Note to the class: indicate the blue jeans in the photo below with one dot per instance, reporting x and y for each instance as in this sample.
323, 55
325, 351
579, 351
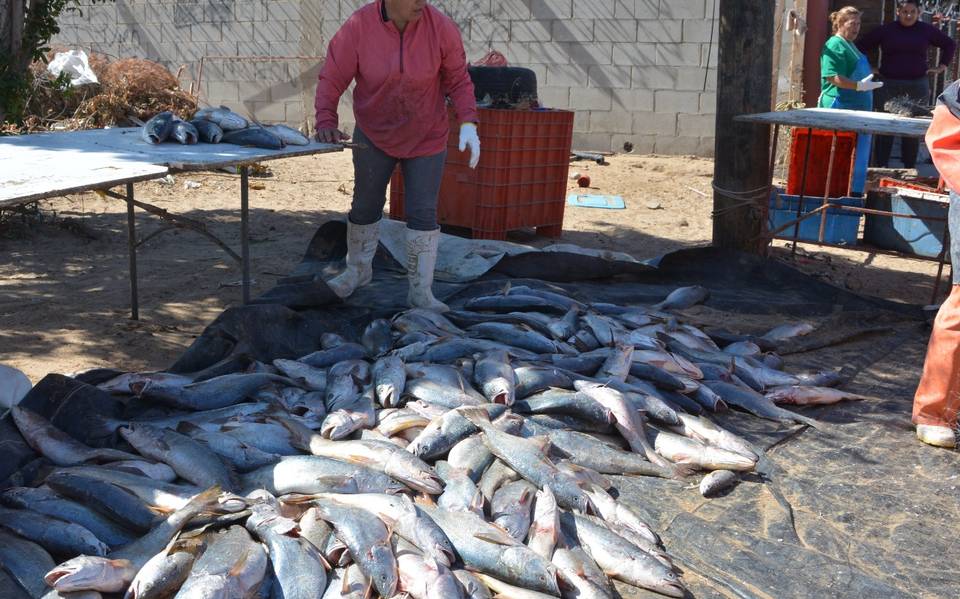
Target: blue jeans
372, 170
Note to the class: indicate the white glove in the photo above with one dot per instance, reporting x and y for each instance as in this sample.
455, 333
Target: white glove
867, 84
468, 138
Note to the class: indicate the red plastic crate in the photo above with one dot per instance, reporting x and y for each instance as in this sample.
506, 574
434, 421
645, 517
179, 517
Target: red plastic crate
817, 165
520, 182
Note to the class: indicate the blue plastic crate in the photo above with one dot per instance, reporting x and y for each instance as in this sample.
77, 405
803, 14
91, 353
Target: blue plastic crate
921, 237
842, 227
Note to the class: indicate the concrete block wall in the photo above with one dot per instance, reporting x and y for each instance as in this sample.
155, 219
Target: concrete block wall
638, 71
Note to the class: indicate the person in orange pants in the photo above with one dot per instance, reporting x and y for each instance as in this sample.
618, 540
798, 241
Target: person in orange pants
937, 401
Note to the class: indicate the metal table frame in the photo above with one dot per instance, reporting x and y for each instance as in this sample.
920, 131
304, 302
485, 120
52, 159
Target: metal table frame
166, 156
843, 120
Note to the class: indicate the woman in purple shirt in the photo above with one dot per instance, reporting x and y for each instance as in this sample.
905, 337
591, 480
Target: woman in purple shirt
903, 69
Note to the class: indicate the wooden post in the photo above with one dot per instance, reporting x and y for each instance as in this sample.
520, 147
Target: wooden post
777, 51
742, 152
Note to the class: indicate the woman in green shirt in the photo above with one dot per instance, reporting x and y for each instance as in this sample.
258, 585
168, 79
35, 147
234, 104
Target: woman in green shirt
847, 82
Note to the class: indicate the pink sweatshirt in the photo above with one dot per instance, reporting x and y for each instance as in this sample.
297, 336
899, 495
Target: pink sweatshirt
402, 80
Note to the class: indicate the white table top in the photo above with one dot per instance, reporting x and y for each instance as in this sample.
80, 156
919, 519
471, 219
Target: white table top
41, 165
859, 121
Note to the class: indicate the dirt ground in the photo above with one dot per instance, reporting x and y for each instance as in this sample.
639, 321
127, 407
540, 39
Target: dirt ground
64, 291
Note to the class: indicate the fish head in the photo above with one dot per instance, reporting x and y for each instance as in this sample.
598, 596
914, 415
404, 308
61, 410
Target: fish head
519, 561
669, 584
385, 577
89, 572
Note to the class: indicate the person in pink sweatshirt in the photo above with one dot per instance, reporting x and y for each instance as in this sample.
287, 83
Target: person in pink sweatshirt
406, 58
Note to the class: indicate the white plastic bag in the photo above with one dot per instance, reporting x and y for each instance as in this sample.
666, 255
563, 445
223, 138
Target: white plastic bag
13, 386
75, 64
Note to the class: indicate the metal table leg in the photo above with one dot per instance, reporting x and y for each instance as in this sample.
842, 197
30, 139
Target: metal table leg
132, 247
244, 231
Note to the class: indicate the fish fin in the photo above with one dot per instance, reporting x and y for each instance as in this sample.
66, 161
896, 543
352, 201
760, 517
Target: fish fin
186, 427
477, 416
238, 567
506, 288
495, 539
300, 435
424, 499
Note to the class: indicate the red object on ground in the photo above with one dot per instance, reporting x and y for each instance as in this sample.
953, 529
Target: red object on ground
521, 181
583, 181
817, 165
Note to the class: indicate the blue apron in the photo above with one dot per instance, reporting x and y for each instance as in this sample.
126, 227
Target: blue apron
851, 99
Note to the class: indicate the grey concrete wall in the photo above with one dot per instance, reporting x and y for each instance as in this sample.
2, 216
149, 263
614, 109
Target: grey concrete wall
641, 71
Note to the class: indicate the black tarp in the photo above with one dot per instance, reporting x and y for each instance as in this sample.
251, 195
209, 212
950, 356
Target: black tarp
857, 508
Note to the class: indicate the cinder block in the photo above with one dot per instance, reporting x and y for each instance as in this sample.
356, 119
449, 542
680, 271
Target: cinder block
708, 103
581, 121
155, 14
205, 32
128, 14
709, 55
632, 100
683, 9
707, 147
695, 125
269, 31
282, 10
654, 77
515, 52
590, 99
672, 101
699, 30
275, 112
296, 113
225, 48
551, 9
219, 92
510, 9
294, 31
554, 96
654, 123
678, 55
253, 48
284, 49
605, 76
283, 91
659, 31
636, 9
677, 145
568, 75
484, 28
185, 15
219, 11
694, 78
572, 30
593, 10
593, 141
236, 31
615, 30
185, 52
256, 11
634, 54
530, 31
642, 144
610, 121
549, 53
348, 7
587, 54
171, 33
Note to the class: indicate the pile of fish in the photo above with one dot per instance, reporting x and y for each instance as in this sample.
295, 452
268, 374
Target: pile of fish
219, 125
465, 454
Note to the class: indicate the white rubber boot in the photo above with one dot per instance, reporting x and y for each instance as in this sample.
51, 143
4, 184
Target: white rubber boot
421, 260
361, 246
938, 436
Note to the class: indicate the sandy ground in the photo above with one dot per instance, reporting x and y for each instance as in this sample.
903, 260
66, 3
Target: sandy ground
64, 291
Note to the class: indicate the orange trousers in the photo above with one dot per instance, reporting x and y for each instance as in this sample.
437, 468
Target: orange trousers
937, 400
